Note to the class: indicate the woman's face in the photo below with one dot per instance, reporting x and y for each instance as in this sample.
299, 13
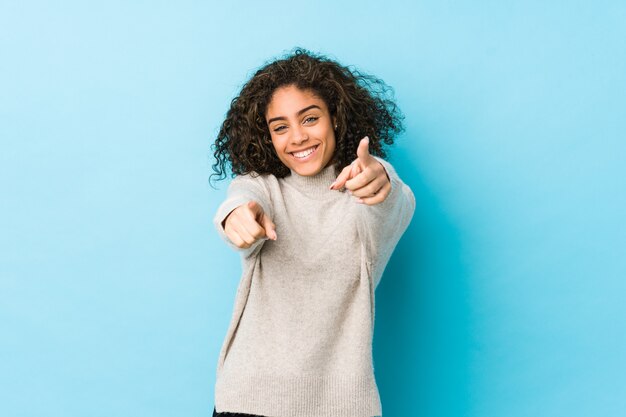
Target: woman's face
301, 129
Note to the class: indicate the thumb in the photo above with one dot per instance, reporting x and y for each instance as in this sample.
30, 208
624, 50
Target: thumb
363, 151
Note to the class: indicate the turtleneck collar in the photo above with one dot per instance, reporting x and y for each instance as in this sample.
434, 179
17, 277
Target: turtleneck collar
314, 185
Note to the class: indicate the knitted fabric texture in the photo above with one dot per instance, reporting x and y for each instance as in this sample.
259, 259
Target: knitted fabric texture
299, 343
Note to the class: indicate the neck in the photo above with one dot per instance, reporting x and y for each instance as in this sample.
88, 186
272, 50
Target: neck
313, 184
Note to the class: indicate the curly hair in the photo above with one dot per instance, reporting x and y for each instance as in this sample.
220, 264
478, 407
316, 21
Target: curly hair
362, 105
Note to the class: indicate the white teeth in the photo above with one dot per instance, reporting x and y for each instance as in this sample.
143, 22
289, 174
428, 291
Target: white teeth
304, 153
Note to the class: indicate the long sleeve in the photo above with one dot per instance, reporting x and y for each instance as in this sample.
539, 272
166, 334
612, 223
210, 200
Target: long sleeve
381, 226
243, 188
299, 342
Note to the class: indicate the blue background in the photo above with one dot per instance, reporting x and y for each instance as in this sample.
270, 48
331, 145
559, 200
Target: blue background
505, 296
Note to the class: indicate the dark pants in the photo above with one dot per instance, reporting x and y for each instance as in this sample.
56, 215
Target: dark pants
226, 414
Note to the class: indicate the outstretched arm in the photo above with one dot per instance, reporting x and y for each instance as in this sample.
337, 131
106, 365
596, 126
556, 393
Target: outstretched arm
386, 209
382, 225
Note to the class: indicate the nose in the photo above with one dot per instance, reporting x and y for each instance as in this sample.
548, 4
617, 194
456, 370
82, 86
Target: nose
299, 136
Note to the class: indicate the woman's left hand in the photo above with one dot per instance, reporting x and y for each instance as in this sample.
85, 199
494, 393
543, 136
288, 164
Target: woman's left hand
365, 178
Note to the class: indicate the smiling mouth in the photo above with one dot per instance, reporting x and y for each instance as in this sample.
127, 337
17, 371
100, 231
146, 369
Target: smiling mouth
304, 153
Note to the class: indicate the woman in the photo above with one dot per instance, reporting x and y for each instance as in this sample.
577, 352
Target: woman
315, 213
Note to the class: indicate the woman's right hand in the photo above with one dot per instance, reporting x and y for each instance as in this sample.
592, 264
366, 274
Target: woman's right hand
247, 224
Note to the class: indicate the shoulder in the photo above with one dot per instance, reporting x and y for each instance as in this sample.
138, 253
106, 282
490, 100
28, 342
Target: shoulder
255, 178
260, 183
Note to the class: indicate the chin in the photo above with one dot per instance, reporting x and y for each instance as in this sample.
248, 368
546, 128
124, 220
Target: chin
307, 171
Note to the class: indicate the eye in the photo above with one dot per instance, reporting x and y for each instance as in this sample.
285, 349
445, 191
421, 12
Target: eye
280, 128
311, 118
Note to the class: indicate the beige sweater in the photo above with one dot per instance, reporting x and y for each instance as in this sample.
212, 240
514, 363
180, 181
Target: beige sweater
299, 342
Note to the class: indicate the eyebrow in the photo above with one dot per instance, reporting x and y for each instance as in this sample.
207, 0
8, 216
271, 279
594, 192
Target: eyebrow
313, 106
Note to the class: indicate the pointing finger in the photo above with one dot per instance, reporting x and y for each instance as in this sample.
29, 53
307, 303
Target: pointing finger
255, 207
364, 178
343, 176
269, 226
262, 219
356, 169
255, 211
